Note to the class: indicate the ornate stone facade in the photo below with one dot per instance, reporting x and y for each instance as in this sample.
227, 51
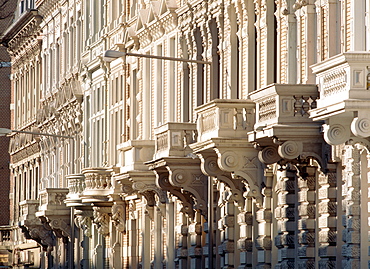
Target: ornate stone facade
238, 138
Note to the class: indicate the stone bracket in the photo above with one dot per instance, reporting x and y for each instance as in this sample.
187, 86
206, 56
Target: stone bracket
41, 232
60, 225
185, 197
101, 217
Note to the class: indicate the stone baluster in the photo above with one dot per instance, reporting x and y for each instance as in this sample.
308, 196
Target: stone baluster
327, 195
306, 212
285, 215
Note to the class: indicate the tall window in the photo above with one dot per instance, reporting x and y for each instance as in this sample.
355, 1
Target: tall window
159, 113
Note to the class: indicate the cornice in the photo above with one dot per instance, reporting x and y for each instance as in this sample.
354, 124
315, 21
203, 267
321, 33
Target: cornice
24, 20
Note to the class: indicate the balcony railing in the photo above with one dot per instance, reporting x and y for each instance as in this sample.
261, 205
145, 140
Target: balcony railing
5, 235
28, 210
98, 184
341, 80
225, 118
134, 153
76, 186
283, 108
52, 202
173, 139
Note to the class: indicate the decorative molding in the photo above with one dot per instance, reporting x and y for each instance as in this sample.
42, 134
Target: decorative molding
101, 217
118, 216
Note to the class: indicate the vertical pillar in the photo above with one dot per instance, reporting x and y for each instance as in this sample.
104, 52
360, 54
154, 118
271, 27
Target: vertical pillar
306, 212
351, 206
195, 236
265, 27
170, 216
327, 224
182, 250
227, 228
245, 243
158, 242
285, 215
264, 219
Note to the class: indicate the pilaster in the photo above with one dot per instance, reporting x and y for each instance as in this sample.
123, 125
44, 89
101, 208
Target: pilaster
327, 221
285, 215
306, 216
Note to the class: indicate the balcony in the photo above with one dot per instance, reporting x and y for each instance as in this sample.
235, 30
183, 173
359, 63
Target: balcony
225, 118
98, 184
28, 213
76, 186
53, 210
134, 153
344, 83
5, 237
173, 139
282, 112
52, 202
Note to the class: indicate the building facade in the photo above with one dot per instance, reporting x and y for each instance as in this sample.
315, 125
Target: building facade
230, 134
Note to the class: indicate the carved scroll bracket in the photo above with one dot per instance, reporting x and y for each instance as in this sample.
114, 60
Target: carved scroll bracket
101, 217
185, 173
41, 232
60, 225
185, 197
142, 183
83, 220
209, 166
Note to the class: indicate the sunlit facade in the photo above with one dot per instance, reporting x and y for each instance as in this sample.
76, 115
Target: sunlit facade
254, 156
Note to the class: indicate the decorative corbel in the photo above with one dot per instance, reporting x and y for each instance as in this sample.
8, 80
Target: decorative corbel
83, 220
43, 234
209, 166
189, 178
101, 219
119, 216
60, 226
185, 197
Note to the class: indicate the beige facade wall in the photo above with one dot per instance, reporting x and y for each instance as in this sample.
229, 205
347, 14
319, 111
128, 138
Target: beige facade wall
245, 145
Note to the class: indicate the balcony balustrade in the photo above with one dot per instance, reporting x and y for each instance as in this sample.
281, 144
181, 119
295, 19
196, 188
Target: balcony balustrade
226, 118
98, 184
344, 82
76, 186
134, 153
173, 139
52, 202
282, 111
28, 209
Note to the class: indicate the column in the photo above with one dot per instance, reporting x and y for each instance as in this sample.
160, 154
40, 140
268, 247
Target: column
286, 219
306, 212
327, 222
